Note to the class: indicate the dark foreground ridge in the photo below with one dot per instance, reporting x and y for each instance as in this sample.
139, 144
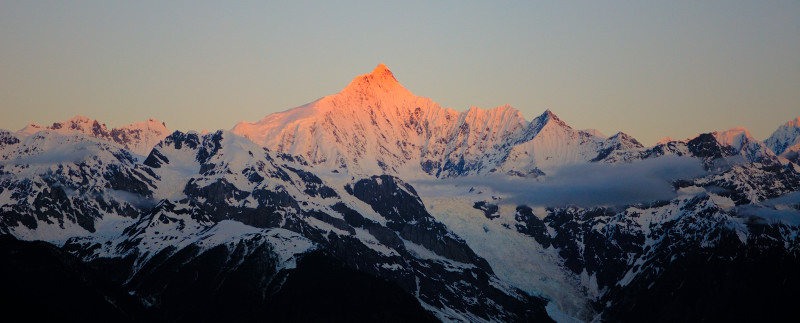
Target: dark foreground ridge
43, 283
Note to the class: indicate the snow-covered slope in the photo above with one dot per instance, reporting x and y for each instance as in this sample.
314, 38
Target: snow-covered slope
375, 126
54, 186
138, 137
785, 141
610, 256
549, 143
196, 196
744, 144
76, 124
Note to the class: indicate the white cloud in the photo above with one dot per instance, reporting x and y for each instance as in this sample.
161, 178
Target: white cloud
593, 184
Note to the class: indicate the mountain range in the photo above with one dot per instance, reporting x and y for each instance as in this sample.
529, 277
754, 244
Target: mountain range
376, 204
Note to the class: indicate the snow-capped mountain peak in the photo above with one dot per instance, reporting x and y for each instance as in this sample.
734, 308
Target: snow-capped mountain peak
743, 144
138, 137
372, 125
793, 123
380, 81
624, 141
540, 122
595, 132
382, 73
76, 124
734, 137
785, 141
664, 141
548, 116
375, 125
150, 124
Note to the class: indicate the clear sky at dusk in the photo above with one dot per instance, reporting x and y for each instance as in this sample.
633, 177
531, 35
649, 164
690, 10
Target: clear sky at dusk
650, 69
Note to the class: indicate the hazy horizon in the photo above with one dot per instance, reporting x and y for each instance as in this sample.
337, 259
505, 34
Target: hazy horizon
650, 70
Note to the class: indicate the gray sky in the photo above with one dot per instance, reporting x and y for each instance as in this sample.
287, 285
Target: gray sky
648, 68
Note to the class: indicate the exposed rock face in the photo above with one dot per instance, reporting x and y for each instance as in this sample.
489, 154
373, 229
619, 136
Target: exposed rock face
405, 214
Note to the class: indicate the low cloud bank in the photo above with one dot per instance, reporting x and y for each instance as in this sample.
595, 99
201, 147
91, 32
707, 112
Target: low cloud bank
589, 185
765, 215
65, 153
784, 209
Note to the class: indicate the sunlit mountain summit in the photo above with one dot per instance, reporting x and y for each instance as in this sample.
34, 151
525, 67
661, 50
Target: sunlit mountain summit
375, 125
373, 204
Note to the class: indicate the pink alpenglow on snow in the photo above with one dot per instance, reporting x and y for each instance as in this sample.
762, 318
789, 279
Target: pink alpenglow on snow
139, 137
